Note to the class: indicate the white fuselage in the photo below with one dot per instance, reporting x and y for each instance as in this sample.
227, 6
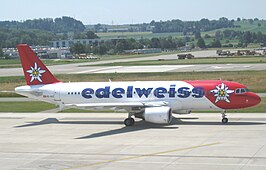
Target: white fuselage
178, 95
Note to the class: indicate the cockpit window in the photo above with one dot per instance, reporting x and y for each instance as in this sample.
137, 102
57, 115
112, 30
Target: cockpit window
241, 91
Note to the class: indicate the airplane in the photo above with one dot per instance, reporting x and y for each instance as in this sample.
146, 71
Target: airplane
152, 101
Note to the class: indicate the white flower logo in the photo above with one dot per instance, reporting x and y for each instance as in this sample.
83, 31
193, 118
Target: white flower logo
222, 93
35, 73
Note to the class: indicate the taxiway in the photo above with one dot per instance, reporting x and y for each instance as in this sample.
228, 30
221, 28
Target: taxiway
77, 69
100, 141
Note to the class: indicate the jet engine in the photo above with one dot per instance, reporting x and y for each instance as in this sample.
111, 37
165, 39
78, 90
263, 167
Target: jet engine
159, 115
182, 112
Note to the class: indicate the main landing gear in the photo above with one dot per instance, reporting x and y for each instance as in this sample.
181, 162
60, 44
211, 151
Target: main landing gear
129, 121
224, 119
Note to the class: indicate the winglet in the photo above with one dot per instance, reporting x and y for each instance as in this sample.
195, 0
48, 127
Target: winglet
35, 71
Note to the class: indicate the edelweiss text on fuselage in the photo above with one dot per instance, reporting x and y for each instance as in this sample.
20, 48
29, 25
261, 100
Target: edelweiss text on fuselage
159, 92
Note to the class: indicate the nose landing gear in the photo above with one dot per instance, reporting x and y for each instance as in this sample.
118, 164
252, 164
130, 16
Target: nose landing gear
224, 119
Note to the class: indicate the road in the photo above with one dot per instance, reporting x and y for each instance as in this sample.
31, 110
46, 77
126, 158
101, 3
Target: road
100, 141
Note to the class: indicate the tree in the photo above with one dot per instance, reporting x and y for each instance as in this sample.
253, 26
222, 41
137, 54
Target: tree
91, 35
120, 46
78, 48
238, 19
197, 34
207, 36
215, 44
250, 21
155, 43
1, 53
218, 35
201, 43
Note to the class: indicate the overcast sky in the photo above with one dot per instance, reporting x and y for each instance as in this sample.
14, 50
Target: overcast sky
131, 11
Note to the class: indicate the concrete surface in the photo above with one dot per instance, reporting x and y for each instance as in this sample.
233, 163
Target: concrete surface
100, 141
75, 69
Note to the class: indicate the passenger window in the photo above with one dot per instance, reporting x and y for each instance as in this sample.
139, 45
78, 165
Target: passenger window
237, 91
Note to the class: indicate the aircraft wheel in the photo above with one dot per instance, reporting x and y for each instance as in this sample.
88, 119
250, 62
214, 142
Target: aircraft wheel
224, 120
129, 122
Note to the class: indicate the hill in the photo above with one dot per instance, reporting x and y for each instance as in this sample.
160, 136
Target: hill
57, 25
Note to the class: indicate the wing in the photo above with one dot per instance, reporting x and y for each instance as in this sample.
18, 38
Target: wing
129, 106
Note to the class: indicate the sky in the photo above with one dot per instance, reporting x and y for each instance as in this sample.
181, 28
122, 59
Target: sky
131, 11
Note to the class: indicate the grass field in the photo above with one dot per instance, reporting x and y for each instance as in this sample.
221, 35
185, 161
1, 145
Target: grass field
15, 63
137, 35
255, 80
33, 106
214, 60
245, 26
41, 106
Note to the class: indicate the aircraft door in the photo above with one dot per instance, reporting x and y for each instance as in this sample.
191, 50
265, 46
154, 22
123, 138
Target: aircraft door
57, 95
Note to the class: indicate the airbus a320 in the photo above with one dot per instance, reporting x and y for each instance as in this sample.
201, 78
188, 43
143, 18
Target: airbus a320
152, 101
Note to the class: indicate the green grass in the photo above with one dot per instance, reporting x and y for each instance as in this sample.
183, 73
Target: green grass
245, 26
15, 63
255, 80
138, 35
33, 106
10, 94
213, 60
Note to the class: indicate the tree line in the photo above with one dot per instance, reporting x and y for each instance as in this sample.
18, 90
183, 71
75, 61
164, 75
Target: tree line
170, 43
9, 38
120, 45
190, 26
57, 25
244, 37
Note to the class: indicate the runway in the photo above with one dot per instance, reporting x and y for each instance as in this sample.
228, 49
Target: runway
100, 141
89, 67
76, 69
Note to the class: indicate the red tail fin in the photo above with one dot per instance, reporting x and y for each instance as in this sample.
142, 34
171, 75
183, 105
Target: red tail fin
34, 70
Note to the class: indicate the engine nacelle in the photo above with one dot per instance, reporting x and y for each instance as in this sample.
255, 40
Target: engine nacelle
160, 115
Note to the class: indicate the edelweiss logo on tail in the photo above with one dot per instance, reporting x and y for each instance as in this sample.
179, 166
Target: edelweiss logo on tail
222, 93
36, 73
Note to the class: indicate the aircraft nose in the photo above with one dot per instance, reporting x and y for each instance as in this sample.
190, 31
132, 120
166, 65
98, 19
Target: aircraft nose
253, 99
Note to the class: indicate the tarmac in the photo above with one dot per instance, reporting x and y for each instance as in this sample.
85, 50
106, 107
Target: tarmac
89, 67
77, 69
100, 141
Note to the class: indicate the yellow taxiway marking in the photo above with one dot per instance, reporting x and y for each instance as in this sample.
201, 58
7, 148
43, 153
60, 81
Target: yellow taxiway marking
141, 156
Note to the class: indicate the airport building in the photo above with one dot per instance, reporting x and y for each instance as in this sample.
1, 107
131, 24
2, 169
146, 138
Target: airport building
69, 43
